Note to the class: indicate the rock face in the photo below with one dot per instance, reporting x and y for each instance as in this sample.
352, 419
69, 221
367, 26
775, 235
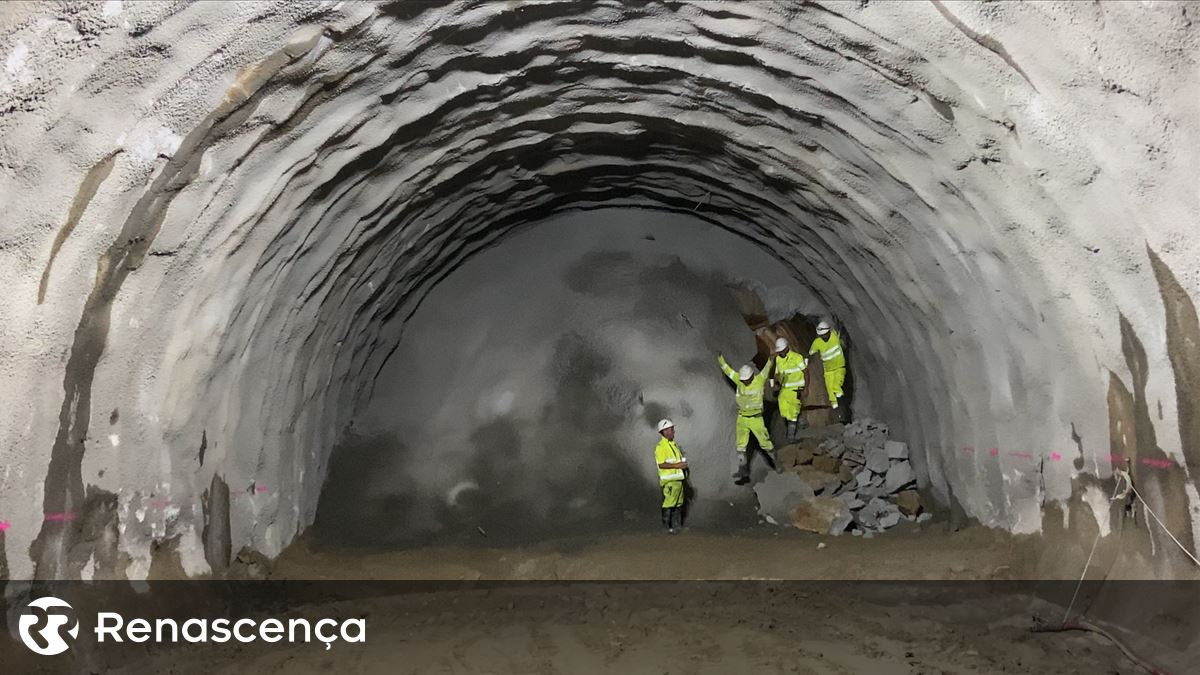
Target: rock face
218, 217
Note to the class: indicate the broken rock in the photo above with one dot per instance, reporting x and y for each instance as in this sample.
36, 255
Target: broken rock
896, 450
899, 476
845, 473
841, 522
779, 493
877, 459
833, 447
823, 515
851, 500
789, 456
827, 464
870, 491
909, 502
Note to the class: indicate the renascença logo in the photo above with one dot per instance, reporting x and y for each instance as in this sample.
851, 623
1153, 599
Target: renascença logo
46, 619
43, 625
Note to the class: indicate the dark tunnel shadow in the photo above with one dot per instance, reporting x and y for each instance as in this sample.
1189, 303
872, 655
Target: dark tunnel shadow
580, 481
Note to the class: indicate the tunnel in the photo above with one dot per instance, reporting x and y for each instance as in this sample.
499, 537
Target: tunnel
399, 273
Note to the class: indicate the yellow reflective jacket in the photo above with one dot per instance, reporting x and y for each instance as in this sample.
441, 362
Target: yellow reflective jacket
789, 370
749, 396
667, 451
830, 349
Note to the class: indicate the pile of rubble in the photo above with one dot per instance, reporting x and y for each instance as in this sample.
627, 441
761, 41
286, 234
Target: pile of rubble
859, 482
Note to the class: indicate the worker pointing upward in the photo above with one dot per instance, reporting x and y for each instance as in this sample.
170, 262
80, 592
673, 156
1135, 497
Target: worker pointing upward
750, 389
789, 370
829, 345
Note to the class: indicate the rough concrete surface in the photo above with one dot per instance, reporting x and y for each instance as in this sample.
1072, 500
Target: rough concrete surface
218, 216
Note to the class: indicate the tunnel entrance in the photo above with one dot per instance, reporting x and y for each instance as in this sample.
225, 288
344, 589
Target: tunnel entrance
520, 399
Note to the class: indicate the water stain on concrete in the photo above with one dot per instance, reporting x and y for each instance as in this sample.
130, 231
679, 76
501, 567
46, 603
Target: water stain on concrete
218, 542
1183, 350
87, 190
1132, 435
63, 487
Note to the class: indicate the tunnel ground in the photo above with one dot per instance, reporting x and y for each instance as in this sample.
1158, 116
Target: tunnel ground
399, 290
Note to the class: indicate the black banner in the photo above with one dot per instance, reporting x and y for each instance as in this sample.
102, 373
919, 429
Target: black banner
596, 627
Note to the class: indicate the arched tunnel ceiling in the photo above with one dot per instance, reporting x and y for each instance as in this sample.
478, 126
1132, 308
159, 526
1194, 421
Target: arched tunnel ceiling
219, 215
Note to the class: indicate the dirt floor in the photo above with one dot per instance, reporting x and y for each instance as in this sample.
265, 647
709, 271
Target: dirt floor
908, 551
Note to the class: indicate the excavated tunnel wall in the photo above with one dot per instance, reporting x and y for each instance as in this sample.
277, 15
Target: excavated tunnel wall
218, 214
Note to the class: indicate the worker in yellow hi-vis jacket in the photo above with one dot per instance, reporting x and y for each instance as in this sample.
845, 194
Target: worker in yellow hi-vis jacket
789, 371
672, 472
828, 344
750, 390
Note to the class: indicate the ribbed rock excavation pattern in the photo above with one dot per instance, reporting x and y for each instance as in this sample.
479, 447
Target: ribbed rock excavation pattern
219, 215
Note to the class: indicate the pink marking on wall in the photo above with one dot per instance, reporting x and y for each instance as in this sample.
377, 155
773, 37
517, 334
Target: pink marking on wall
1117, 459
59, 517
1022, 455
1055, 456
4, 525
160, 503
994, 452
968, 449
1158, 463
260, 488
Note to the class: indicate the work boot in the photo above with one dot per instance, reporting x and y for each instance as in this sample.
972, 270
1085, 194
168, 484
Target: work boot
801, 423
791, 430
773, 454
677, 518
742, 475
666, 519
844, 414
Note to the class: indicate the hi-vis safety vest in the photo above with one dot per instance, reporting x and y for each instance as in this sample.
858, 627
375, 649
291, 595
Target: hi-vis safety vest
830, 349
789, 370
749, 397
667, 451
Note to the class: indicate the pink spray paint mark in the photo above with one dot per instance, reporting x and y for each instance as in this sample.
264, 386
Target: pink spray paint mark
4, 525
994, 452
59, 517
1158, 463
160, 503
260, 488
1117, 459
1055, 456
968, 449
1022, 455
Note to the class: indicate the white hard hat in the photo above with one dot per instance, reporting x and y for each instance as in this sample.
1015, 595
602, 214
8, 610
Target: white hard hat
823, 327
746, 372
781, 344
664, 424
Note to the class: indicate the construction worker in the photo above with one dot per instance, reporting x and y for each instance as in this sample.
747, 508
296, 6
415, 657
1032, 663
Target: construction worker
750, 389
789, 370
829, 345
672, 471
